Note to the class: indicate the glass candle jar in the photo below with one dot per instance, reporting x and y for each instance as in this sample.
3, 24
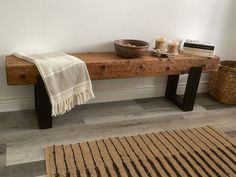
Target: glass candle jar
160, 43
172, 47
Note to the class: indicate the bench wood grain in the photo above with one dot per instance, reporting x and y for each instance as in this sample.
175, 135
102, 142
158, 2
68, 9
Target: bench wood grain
111, 66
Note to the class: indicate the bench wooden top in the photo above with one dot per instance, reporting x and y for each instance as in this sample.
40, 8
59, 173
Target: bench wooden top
111, 66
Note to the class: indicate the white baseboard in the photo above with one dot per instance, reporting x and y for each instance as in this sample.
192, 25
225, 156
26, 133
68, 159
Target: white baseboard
142, 92
17, 104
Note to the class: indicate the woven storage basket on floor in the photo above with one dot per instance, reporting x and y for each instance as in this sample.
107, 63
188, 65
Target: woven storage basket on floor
222, 83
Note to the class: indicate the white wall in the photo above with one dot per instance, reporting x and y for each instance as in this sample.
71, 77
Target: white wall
92, 25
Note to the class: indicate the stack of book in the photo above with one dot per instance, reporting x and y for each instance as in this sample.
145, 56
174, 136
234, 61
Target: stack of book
199, 48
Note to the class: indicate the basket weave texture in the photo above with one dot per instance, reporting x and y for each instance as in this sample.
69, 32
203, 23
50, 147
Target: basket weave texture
222, 83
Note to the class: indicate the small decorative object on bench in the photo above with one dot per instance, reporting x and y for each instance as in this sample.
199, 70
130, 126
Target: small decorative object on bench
130, 48
160, 43
199, 48
222, 83
162, 48
172, 47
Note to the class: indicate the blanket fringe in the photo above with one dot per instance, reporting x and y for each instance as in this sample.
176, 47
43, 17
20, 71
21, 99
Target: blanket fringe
69, 103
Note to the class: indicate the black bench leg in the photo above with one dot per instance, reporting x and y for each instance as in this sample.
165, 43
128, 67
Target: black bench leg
42, 105
187, 102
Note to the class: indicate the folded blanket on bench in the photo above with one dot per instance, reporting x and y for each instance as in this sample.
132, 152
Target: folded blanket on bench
65, 77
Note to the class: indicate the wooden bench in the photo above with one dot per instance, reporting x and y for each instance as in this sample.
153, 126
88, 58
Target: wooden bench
111, 66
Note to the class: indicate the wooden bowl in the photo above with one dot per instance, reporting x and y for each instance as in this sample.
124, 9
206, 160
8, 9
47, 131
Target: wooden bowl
130, 48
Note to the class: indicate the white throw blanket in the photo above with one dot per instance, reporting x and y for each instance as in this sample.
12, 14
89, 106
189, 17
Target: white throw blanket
65, 77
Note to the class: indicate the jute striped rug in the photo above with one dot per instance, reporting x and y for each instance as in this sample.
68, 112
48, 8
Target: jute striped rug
201, 151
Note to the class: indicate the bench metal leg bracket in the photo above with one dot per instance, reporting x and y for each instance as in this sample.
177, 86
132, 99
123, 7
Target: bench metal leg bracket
42, 105
186, 103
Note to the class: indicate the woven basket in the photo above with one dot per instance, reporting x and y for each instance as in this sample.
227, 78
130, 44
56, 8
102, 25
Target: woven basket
222, 83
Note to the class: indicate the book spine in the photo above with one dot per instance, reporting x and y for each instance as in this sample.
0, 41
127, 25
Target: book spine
199, 46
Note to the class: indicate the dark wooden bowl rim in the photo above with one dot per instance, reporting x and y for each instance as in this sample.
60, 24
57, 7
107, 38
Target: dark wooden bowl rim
121, 42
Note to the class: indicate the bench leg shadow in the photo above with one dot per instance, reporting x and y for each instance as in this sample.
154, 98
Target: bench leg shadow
42, 105
186, 103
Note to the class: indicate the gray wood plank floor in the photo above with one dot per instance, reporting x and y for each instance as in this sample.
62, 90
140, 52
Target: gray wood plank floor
22, 143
